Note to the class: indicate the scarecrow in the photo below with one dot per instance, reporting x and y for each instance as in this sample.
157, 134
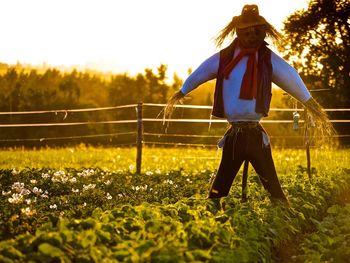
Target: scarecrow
244, 72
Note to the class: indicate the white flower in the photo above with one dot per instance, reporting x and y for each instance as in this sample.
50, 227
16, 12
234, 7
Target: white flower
33, 181
45, 194
120, 195
6, 193
108, 182
149, 173
86, 173
37, 190
25, 191
59, 173
75, 190
28, 201
45, 175
14, 171
59, 176
27, 211
73, 180
139, 188
88, 187
54, 206
131, 167
109, 197
167, 181
84, 204
19, 188
16, 199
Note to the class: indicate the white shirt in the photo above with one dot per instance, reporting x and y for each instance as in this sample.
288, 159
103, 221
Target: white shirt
236, 109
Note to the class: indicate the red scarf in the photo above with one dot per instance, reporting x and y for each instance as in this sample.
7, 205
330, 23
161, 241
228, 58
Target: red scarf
250, 78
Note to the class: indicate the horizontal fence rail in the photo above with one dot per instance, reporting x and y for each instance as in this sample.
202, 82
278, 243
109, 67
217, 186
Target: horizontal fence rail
210, 107
67, 111
69, 137
65, 124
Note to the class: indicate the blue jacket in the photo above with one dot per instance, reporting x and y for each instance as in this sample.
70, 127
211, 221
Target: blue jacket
263, 98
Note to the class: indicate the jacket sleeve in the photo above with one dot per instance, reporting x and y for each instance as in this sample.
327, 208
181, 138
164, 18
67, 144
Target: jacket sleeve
288, 79
206, 71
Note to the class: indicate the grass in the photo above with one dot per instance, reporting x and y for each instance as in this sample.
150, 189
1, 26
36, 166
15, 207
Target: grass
161, 159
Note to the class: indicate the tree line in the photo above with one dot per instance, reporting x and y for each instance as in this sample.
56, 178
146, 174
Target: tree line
24, 90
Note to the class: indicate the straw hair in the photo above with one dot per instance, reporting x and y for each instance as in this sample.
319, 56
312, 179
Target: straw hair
170, 106
230, 29
323, 129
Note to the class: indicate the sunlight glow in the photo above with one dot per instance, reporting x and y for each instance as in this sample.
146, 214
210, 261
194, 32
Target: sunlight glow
122, 36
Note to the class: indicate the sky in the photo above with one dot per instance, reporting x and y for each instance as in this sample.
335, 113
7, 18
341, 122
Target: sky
122, 35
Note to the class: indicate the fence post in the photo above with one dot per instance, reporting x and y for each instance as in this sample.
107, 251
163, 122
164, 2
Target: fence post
139, 138
244, 180
307, 145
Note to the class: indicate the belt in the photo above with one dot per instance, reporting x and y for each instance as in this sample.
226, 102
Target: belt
245, 125
239, 127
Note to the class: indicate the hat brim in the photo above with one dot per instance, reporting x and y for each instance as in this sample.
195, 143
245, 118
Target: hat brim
243, 23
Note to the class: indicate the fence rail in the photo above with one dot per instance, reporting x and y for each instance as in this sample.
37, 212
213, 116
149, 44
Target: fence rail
67, 111
139, 134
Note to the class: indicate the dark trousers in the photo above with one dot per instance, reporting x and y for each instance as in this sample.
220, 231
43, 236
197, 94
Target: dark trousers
246, 144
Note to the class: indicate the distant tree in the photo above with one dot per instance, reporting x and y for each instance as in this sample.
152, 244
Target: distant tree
157, 84
10, 85
121, 90
317, 42
70, 89
176, 85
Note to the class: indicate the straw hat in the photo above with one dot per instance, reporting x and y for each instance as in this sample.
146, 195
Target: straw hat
249, 17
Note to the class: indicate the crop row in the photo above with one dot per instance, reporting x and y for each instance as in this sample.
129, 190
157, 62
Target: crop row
89, 215
331, 240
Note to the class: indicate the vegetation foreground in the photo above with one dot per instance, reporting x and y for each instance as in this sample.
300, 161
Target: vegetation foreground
88, 205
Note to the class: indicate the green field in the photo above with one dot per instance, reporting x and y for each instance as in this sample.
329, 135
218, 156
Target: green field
86, 204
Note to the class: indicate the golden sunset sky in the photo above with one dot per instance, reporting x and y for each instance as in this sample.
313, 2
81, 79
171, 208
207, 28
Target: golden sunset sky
122, 35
